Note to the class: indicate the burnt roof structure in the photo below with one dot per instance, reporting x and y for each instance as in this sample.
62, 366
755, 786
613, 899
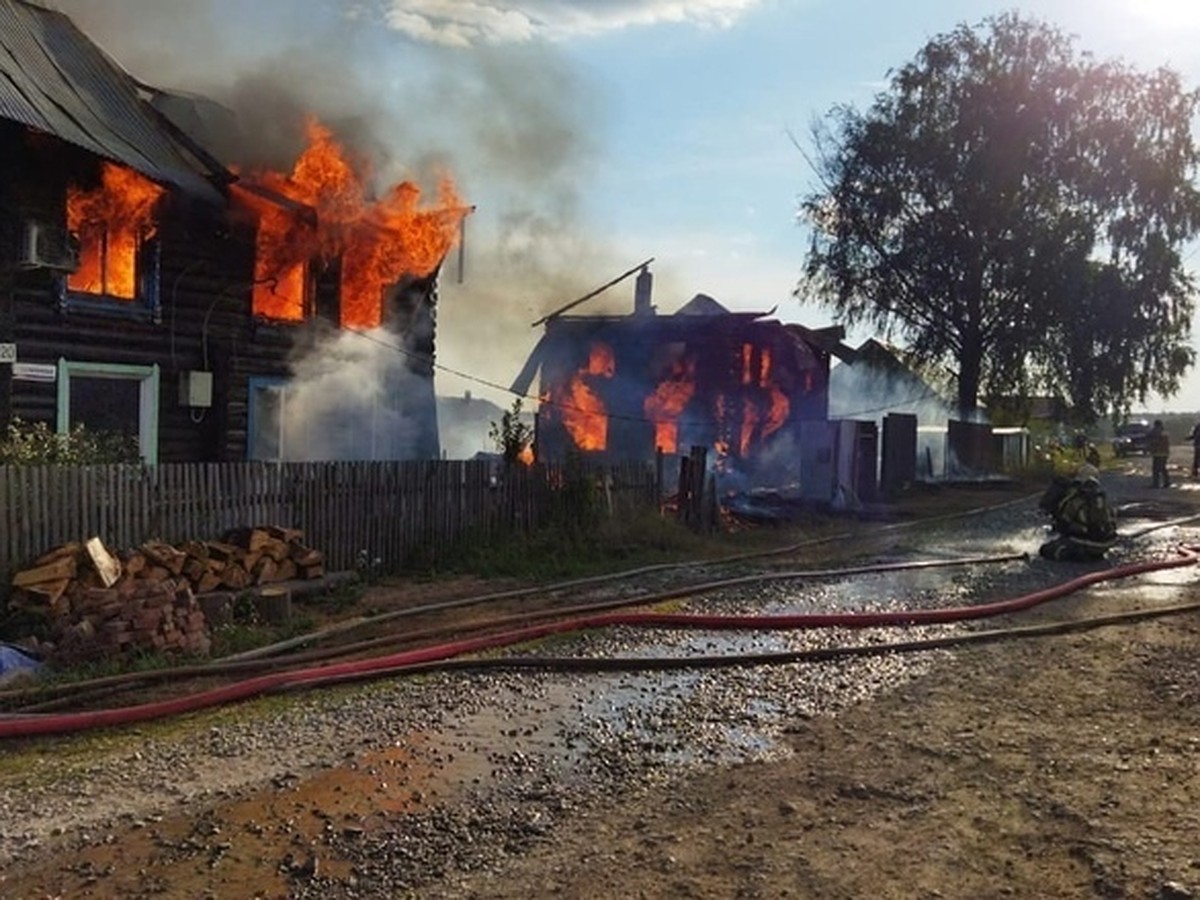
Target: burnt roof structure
54, 79
625, 386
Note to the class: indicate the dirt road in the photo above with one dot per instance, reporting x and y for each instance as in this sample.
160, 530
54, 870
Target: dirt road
1059, 766
1064, 766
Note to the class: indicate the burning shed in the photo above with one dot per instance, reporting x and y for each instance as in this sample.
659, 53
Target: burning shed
623, 387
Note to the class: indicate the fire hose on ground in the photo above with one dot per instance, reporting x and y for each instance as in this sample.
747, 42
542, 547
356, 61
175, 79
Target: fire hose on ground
447, 655
248, 663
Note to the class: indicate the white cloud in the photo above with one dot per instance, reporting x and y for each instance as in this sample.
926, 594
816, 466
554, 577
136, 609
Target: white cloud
460, 23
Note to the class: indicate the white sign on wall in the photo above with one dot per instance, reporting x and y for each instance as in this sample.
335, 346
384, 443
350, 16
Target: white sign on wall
8, 353
43, 372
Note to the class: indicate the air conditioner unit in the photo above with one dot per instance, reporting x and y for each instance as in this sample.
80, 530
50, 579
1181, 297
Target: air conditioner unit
45, 246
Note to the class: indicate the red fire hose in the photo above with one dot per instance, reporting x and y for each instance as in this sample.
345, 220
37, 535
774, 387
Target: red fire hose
59, 723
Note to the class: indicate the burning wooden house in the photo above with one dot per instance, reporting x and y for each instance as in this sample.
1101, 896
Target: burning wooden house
624, 387
146, 288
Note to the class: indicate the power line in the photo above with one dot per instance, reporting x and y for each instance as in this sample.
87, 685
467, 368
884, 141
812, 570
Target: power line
928, 394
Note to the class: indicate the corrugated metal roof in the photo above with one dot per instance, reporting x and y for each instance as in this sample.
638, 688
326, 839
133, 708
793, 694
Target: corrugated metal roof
53, 78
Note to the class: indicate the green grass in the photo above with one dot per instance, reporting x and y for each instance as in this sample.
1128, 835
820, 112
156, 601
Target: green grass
556, 552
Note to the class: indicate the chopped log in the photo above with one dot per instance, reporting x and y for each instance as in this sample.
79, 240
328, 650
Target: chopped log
71, 549
223, 551
306, 556
264, 570
287, 570
93, 598
195, 569
107, 565
65, 567
163, 554
48, 592
197, 549
235, 577
274, 605
317, 571
155, 573
287, 535
89, 578
134, 562
250, 539
276, 549
209, 581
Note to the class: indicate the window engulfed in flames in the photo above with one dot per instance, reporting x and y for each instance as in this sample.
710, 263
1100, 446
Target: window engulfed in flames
581, 408
668, 401
755, 421
378, 242
749, 409
111, 221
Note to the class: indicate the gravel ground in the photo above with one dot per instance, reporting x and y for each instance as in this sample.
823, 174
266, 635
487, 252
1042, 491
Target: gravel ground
463, 774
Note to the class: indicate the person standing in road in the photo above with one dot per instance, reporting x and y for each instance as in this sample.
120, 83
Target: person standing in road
1159, 445
1194, 437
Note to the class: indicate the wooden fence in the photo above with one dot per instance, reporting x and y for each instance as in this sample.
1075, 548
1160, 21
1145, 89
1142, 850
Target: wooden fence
390, 511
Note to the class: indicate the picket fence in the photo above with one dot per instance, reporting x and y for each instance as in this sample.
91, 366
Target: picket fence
393, 512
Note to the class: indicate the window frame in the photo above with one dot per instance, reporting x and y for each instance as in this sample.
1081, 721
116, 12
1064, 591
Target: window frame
256, 383
146, 305
148, 397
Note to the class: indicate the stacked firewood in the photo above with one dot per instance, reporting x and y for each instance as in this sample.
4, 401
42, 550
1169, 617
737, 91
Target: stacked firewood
145, 598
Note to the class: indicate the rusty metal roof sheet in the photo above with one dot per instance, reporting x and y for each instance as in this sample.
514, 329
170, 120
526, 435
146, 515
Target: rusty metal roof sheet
54, 79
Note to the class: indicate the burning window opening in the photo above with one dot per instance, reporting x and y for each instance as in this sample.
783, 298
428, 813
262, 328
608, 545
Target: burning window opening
581, 408
112, 222
760, 409
378, 242
668, 401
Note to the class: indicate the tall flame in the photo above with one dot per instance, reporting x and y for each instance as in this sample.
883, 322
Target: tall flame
668, 401
111, 221
762, 407
378, 242
582, 409
780, 406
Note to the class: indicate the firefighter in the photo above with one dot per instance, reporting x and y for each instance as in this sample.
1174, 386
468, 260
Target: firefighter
1081, 517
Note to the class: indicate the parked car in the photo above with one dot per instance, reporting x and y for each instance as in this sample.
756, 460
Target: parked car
1131, 438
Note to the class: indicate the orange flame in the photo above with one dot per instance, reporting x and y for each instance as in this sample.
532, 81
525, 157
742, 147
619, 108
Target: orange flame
750, 419
668, 401
747, 363
526, 455
582, 410
379, 242
111, 222
760, 416
780, 405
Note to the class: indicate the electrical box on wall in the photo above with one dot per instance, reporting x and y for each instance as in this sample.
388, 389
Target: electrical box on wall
195, 388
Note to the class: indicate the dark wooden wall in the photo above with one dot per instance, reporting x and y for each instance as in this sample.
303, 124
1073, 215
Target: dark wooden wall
204, 319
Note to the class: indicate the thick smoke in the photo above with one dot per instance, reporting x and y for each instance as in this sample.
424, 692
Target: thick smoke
514, 126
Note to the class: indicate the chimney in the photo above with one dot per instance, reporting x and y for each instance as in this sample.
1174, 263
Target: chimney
642, 290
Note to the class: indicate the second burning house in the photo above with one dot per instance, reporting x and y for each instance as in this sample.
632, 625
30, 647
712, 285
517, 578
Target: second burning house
625, 387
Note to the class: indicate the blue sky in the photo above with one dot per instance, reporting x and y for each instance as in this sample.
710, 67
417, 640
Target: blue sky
598, 133
694, 122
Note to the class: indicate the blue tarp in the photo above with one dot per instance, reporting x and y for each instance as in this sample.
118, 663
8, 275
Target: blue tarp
14, 661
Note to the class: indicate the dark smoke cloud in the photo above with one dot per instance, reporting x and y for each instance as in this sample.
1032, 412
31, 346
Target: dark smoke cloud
516, 126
